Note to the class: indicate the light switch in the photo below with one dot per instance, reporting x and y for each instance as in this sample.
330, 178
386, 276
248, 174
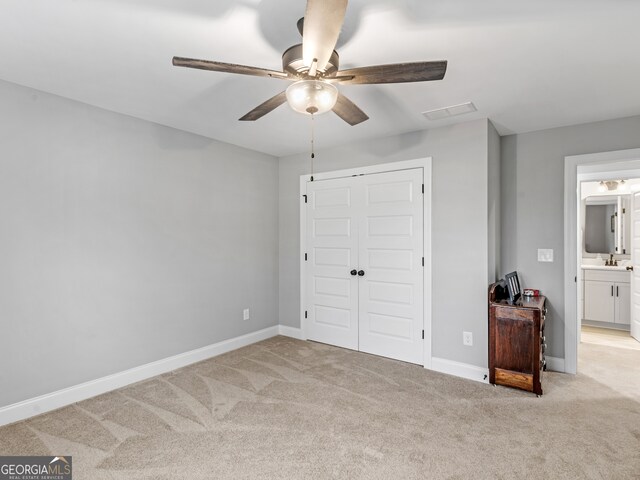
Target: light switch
545, 255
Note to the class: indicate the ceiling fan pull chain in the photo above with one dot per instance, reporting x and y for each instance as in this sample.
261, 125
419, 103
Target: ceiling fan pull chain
313, 155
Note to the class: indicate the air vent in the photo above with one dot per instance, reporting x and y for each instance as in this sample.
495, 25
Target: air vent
452, 111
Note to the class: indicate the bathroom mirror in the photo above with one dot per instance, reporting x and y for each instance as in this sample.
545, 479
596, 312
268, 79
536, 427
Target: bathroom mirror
606, 226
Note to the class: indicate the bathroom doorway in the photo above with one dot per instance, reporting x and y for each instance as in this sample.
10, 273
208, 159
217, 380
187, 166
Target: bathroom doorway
606, 166
606, 233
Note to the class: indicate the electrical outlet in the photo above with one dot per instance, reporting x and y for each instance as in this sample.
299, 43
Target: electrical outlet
245, 314
467, 339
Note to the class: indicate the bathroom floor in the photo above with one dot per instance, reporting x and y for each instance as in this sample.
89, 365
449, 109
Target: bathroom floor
611, 358
608, 337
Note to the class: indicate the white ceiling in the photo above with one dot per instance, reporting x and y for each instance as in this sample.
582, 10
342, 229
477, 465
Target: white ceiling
526, 65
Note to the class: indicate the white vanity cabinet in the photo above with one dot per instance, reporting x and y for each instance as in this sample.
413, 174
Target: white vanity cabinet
623, 304
607, 296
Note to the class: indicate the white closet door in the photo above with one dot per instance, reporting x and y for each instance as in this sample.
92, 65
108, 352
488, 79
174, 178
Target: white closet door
390, 256
332, 246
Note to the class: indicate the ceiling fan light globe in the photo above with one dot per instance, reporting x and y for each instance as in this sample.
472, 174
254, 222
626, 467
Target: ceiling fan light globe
312, 96
326, 99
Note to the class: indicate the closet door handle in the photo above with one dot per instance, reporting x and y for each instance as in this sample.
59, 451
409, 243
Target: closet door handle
617, 290
353, 272
612, 290
361, 273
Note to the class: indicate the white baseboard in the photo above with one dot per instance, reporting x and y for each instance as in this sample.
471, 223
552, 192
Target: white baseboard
67, 396
292, 332
464, 370
555, 364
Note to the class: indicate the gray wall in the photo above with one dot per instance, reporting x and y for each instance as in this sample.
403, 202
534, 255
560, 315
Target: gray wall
459, 227
123, 242
532, 179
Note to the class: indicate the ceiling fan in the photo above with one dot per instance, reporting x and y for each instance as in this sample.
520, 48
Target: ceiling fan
313, 66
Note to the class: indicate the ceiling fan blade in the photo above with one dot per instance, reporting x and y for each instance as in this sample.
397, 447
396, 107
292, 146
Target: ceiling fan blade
264, 108
338, 79
322, 23
227, 67
349, 111
395, 73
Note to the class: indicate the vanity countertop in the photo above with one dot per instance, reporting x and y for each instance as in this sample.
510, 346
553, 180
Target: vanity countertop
603, 267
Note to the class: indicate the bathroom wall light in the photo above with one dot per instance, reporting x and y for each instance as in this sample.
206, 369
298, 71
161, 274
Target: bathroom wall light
612, 185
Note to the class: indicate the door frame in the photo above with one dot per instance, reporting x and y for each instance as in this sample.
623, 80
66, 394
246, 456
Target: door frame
635, 334
580, 168
425, 164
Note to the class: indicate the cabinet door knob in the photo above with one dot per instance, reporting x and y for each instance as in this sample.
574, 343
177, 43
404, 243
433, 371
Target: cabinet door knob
361, 273
630, 268
353, 272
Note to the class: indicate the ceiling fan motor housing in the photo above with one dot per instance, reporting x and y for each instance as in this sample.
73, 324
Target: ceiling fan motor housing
293, 63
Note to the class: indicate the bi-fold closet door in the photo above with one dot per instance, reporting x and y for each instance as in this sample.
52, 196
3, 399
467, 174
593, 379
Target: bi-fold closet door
364, 267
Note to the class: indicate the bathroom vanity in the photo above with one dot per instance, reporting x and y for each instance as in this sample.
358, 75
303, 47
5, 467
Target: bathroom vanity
606, 296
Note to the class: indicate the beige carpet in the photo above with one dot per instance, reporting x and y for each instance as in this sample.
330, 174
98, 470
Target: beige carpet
284, 408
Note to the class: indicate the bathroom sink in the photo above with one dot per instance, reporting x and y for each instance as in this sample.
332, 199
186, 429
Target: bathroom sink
603, 267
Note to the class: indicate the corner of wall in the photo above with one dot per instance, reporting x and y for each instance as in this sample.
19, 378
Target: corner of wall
508, 203
494, 204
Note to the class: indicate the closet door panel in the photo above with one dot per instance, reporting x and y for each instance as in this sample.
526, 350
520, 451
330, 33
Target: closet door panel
332, 246
390, 251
